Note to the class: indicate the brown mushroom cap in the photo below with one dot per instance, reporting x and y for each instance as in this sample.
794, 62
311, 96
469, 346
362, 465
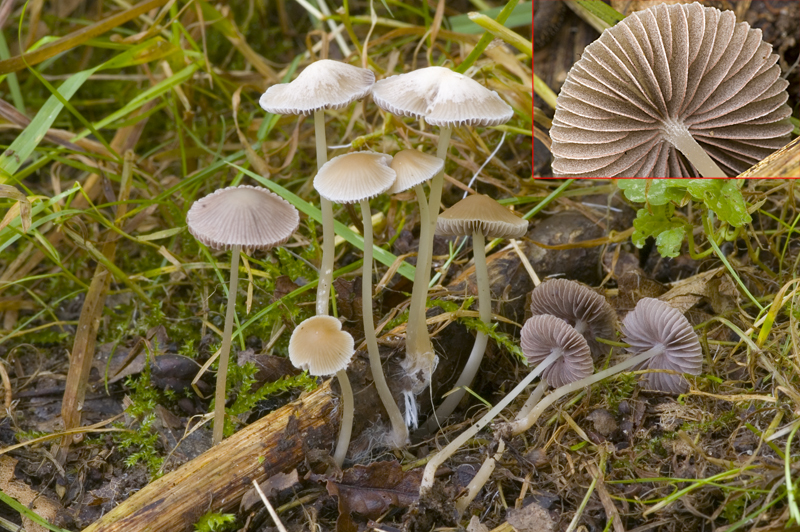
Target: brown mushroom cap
653, 323
587, 311
246, 216
324, 84
543, 335
413, 168
479, 212
320, 346
356, 176
442, 97
667, 69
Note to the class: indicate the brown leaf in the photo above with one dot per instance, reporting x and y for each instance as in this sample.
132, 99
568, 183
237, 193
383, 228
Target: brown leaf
371, 490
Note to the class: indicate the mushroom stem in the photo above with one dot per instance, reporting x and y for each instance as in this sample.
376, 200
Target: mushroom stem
416, 341
439, 458
348, 406
480, 479
481, 339
225, 350
678, 135
399, 429
533, 399
328, 250
420, 354
524, 422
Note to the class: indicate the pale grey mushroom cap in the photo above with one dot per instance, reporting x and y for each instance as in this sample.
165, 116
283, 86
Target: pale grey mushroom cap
654, 323
543, 335
479, 212
324, 84
320, 346
246, 216
413, 168
587, 311
663, 70
356, 176
442, 97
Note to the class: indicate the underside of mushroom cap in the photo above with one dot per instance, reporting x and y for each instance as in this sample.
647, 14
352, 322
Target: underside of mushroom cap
413, 168
324, 84
442, 97
246, 216
543, 335
664, 71
587, 311
320, 346
356, 176
479, 212
654, 323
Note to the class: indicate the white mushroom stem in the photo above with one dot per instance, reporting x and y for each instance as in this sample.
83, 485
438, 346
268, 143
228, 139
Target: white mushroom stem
479, 347
533, 399
524, 422
328, 250
480, 479
440, 457
399, 429
419, 351
348, 407
225, 350
678, 135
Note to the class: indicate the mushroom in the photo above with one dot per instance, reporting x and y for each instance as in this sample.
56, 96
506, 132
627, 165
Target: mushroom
320, 346
479, 216
656, 328
237, 218
355, 178
562, 353
683, 77
587, 311
445, 99
323, 85
660, 336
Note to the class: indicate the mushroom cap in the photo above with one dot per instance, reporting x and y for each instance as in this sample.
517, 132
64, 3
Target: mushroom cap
542, 335
324, 84
442, 97
413, 168
479, 212
246, 216
356, 176
320, 346
653, 322
587, 311
662, 70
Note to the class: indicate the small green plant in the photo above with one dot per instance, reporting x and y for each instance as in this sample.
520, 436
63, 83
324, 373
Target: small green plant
659, 220
215, 522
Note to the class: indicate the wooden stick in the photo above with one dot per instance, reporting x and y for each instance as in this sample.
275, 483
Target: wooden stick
783, 163
217, 479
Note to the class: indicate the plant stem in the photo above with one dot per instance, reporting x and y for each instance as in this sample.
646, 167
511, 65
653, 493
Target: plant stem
348, 406
225, 350
439, 458
399, 429
328, 251
678, 135
481, 339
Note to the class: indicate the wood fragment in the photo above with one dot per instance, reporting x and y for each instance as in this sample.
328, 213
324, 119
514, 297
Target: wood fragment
781, 164
216, 480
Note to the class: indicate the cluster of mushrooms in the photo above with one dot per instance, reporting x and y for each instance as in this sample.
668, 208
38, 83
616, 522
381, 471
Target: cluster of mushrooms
248, 218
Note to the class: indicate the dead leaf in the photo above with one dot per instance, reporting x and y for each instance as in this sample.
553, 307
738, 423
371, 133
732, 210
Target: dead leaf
714, 285
274, 484
45, 508
371, 490
532, 518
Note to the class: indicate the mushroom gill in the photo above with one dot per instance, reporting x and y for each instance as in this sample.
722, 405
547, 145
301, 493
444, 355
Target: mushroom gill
679, 76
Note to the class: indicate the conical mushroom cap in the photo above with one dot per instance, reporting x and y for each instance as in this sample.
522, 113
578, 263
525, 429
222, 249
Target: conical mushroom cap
442, 97
587, 311
653, 322
320, 346
250, 217
667, 69
479, 212
413, 168
543, 335
324, 84
353, 177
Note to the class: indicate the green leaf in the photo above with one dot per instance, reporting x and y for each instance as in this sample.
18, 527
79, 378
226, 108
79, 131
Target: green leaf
724, 197
669, 241
654, 191
669, 233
